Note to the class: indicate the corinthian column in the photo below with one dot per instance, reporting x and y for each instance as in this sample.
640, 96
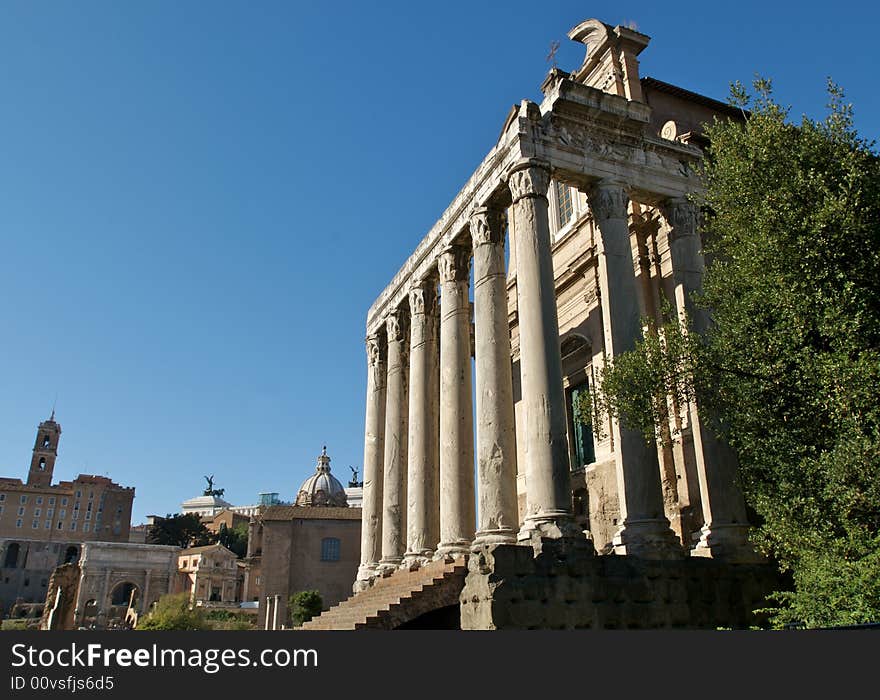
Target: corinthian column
374, 455
548, 479
456, 407
394, 502
725, 530
644, 529
496, 430
423, 505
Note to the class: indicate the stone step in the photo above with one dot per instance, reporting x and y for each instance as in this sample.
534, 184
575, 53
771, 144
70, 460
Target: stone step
370, 607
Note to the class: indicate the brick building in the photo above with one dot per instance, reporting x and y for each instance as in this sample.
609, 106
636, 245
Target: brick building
43, 524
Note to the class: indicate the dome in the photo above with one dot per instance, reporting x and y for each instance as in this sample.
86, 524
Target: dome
322, 488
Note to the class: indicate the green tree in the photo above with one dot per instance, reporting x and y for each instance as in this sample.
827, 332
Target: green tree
790, 363
303, 606
173, 612
179, 531
235, 539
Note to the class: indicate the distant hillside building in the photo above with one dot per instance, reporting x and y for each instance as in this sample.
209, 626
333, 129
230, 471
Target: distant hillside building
43, 525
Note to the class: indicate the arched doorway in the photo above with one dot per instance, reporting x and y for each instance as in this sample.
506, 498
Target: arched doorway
10, 561
71, 555
124, 593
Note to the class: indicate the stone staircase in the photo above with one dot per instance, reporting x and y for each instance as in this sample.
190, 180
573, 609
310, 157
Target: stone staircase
397, 599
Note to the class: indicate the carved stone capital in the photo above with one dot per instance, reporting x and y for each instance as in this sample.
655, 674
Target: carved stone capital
454, 264
682, 216
529, 181
423, 298
487, 226
608, 200
395, 326
375, 350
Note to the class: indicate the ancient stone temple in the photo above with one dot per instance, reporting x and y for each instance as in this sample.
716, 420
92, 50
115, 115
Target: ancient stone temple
575, 228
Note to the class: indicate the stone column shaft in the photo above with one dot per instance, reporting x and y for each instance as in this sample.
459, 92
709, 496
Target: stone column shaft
725, 530
396, 415
456, 407
547, 468
644, 529
374, 456
423, 498
496, 427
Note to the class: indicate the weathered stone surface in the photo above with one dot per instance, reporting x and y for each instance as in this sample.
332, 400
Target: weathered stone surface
564, 588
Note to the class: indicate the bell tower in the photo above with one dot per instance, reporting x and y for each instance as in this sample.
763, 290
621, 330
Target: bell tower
45, 452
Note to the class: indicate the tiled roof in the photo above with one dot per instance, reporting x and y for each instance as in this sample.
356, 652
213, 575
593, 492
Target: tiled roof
311, 513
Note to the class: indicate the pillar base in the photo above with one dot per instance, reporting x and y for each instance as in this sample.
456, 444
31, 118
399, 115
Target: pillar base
727, 542
551, 525
484, 538
452, 550
647, 539
365, 576
416, 560
388, 565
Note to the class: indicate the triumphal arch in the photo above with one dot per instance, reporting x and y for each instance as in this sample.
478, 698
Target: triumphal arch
574, 230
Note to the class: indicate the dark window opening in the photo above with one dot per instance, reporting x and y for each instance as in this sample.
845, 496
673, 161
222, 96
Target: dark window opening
581, 409
330, 549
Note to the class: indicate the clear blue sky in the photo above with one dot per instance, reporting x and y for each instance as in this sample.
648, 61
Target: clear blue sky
200, 200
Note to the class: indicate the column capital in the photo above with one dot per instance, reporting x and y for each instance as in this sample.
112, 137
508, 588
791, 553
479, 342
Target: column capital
395, 325
528, 179
487, 226
454, 264
683, 216
375, 350
423, 297
608, 200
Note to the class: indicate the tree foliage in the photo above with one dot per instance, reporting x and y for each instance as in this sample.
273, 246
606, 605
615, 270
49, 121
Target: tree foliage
234, 539
790, 364
179, 531
173, 612
304, 606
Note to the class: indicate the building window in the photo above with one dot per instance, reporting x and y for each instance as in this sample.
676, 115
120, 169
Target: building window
46, 440
64, 501
78, 494
564, 204
21, 510
42, 464
330, 549
52, 501
50, 512
36, 512
23, 500
47, 525
581, 432
62, 513
18, 523
39, 500
88, 516
1, 510
35, 524
86, 527
60, 525
73, 526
